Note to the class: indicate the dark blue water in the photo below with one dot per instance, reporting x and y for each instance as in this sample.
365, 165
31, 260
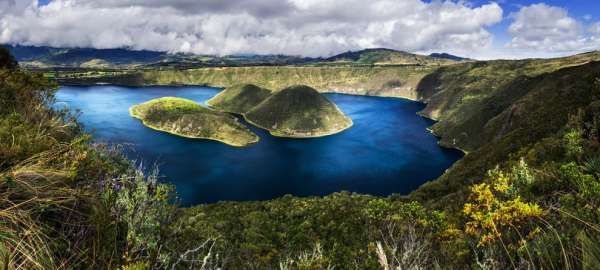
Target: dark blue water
388, 150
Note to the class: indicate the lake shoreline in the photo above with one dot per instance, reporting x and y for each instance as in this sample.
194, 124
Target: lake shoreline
376, 156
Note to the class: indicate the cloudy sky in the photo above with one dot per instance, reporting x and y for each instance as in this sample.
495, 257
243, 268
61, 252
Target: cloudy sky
478, 29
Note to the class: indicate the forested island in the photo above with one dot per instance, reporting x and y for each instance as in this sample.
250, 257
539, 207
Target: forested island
297, 111
189, 119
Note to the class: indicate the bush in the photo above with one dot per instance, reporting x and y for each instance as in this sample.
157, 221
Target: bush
495, 207
145, 208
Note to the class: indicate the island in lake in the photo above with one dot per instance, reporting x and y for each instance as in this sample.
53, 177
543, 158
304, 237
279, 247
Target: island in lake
186, 118
239, 99
297, 111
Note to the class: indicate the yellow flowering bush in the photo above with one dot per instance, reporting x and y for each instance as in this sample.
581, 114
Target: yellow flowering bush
494, 207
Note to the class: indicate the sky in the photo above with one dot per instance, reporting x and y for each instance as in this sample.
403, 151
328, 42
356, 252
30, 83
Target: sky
478, 29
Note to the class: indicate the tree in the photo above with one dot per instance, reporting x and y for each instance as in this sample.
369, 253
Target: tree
7, 60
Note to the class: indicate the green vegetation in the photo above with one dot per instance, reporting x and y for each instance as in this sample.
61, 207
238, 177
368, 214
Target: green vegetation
506, 118
526, 196
48, 57
382, 57
375, 81
6, 59
298, 111
189, 119
393, 81
463, 98
53, 212
239, 99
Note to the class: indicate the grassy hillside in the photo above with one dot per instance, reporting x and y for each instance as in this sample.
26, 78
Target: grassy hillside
526, 196
464, 97
189, 119
59, 205
239, 99
496, 109
298, 111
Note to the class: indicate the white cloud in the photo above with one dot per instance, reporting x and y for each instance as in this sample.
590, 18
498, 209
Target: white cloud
595, 29
303, 27
545, 28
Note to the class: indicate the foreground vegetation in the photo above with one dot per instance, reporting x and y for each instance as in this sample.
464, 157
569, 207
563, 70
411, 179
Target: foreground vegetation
186, 118
526, 196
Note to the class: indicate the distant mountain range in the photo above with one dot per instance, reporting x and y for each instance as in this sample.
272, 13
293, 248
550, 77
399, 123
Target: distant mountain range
383, 56
49, 57
449, 57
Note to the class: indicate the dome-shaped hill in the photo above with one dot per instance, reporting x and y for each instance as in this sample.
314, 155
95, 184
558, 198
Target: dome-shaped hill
239, 99
298, 111
187, 118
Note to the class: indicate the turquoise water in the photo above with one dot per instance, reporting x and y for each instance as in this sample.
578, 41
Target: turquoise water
388, 150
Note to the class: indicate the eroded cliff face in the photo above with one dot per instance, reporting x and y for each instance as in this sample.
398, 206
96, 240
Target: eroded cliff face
395, 81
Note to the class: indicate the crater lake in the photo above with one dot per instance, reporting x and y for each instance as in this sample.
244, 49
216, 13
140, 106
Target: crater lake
387, 150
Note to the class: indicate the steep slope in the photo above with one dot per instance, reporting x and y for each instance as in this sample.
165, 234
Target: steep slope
187, 118
516, 115
464, 97
298, 111
239, 99
396, 81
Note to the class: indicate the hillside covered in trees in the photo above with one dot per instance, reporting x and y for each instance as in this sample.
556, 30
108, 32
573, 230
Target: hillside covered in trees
527, 194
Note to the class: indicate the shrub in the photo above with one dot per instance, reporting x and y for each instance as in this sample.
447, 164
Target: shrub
145, 208
573, 142
495, 207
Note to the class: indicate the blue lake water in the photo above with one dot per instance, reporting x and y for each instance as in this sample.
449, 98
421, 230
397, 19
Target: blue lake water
388, 150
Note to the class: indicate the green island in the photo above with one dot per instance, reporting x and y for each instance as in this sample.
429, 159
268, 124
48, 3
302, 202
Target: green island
299, 112
525, 196
296, 112
186, 118
239, 99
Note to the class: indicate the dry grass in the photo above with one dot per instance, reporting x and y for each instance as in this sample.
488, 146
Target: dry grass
40, 211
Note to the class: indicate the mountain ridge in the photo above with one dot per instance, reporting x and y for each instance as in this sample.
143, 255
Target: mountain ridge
49, 57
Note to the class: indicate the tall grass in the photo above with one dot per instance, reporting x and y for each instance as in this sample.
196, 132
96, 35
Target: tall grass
39, 212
